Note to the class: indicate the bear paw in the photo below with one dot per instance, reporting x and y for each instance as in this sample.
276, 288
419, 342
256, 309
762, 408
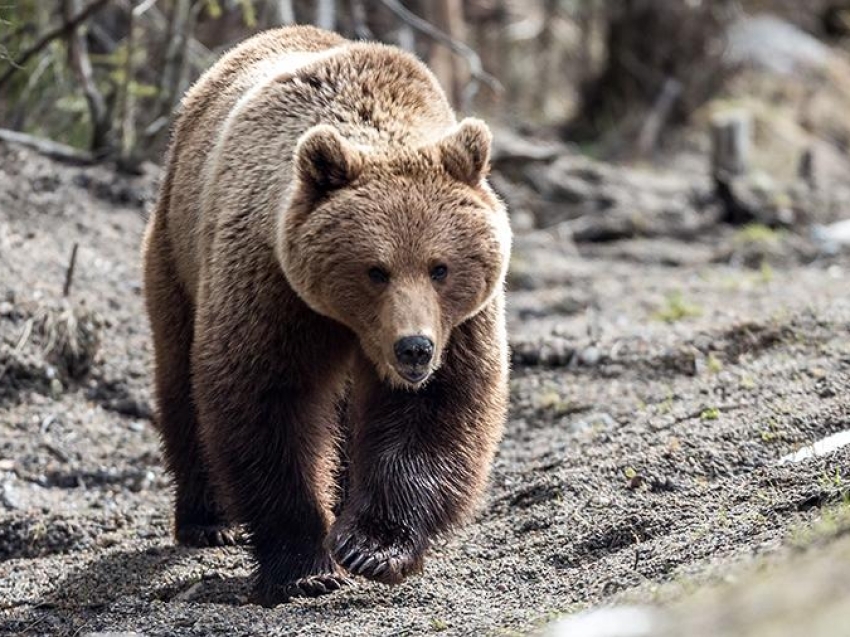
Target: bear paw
310, 586
209, 535
385, 562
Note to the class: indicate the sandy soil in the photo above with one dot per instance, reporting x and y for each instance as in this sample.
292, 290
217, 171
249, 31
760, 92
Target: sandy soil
656, 385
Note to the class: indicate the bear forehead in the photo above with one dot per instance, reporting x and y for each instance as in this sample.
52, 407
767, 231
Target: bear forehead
419, 179
418, 207
396, 234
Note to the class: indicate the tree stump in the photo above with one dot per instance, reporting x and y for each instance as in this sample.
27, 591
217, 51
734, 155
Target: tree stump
730, 144
730, 152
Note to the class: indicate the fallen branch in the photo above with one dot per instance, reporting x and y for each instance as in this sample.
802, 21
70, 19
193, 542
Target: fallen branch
48, 148
476, 69
58, 32
509, 147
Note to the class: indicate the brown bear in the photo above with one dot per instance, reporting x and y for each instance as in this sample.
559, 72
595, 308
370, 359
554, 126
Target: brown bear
324, 277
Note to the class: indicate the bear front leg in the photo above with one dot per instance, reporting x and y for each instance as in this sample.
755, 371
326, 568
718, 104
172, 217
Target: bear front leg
268, 430
420, 459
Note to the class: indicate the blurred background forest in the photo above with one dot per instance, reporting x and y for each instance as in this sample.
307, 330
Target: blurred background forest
617, 76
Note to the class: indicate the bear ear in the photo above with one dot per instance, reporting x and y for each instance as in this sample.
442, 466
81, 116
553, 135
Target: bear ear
465, 152
325, 161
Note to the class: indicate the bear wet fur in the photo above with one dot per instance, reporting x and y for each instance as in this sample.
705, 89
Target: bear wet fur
322, 210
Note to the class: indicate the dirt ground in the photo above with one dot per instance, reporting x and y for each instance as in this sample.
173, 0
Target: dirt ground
656, 385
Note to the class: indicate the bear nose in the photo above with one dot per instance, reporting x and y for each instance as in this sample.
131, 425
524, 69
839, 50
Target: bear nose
414, 351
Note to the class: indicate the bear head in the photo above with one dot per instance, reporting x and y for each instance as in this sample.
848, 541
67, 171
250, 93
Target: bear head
401, 247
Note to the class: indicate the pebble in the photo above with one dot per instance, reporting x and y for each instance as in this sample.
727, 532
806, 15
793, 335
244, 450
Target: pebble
590, 356
592, 421
10, 496
56, 388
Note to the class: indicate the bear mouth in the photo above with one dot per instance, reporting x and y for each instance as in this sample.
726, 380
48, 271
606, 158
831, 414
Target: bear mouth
414, 375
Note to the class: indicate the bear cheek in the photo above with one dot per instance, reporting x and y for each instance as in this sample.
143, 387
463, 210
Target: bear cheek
301, 268
470, 293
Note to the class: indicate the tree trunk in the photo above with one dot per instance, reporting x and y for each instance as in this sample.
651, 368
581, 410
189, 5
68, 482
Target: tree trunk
326, 14
282, 12
127, 159
78, 55
447, 15
544, 55
179, 24
730, 145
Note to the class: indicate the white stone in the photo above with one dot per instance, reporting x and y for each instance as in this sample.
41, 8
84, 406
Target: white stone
622, 621
819, 448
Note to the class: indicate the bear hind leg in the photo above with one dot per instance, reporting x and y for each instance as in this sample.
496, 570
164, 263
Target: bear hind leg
198, 520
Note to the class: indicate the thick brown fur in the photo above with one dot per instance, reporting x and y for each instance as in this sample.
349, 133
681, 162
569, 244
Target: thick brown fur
300, 164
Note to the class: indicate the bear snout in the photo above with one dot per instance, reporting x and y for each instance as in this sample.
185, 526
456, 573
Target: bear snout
414, 354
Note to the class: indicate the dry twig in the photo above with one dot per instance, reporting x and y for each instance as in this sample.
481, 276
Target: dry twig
69, 272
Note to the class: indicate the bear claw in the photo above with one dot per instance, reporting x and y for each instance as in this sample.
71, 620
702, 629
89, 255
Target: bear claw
366, 558
203, 536
310, 586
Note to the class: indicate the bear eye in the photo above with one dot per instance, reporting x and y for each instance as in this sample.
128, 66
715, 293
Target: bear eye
439, 272
378, 275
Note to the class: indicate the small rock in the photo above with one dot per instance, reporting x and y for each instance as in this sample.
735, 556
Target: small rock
826, 390
590, 356
141, 481
833, 238
635, 482
127, 406
56, 388
10, 496
599, 420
